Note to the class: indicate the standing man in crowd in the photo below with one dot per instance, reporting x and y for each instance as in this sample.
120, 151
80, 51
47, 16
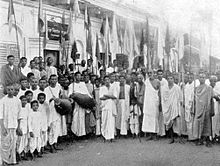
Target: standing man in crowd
34, 70
107, 96
23, 65
10, 117
10, 73
78, 124
123, 106
189, 105
216, 106
171, 106
203, 112
50, 69
151, 107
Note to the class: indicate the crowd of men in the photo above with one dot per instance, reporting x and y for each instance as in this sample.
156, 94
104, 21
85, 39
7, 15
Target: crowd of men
140, 103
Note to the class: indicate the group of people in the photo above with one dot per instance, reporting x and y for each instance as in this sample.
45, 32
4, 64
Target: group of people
139, 103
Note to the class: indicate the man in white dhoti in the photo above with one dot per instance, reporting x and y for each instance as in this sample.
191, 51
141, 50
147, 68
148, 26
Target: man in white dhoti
171, 106
10, 108
150, 122
78, 124
216, 99
107, 96
163, 82
56, 127
189, 101
123, 106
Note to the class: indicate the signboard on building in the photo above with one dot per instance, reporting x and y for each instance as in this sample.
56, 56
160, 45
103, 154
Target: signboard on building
55, 30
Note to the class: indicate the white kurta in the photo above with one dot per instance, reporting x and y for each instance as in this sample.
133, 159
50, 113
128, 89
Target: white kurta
108, 108
35, 93
25, 70
151, 109
21, 93
123, 110
78, 124
35, 126
10, 109
50, 70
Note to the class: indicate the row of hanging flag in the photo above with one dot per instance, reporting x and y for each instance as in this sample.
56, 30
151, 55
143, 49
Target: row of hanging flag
117, 35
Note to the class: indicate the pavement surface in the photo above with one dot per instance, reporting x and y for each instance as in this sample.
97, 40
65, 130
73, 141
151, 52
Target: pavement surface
129, 152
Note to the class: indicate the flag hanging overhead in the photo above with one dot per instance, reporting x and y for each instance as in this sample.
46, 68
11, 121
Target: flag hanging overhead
11, 14
74, 6
147, 41
167, 41
87, 22
88, 33
45, 31
74, 51
40, 17
107, 41
97, 52
167, 48
114, 38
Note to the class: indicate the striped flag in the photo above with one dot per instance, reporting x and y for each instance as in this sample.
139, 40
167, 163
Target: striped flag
40, 18
11, 15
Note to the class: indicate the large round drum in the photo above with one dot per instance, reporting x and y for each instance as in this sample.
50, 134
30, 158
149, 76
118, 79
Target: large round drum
63, 106
84, 101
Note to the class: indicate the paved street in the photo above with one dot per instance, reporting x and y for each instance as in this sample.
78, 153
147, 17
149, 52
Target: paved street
130, 152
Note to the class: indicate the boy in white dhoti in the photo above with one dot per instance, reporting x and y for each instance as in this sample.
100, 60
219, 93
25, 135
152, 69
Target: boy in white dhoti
10, 108
35, 128
134, 119
22, 142
107, 96
45, 111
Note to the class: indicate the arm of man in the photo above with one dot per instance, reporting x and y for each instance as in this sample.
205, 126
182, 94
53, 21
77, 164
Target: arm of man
3, 129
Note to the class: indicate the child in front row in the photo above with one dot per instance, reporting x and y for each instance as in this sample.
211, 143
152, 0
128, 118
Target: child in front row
45, 111
35, 128
22, 142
